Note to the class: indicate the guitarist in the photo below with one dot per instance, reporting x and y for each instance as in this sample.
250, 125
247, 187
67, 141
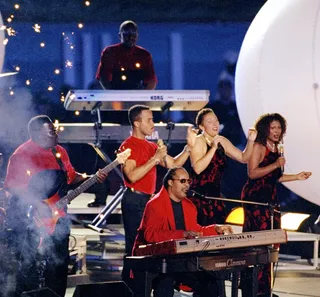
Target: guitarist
37, 170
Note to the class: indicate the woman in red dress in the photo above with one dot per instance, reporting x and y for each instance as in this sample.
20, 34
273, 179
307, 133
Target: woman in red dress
208, 159
265, 170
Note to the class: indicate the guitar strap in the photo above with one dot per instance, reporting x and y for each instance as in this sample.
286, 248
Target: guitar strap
55, 153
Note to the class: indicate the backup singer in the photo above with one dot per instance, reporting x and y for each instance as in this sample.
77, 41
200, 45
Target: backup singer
170, 215
208, 160
37, 170
140, 171
126, 66
264, 172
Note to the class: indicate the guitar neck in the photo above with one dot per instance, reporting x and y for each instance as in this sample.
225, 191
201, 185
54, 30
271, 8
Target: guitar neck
84, 186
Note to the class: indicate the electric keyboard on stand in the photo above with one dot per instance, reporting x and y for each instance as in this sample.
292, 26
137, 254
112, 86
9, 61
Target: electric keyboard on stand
219, 255
211, 243
124, 99
85, 132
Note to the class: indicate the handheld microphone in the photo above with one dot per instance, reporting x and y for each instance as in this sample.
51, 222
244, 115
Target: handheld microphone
160, 145
192, 193
281, 153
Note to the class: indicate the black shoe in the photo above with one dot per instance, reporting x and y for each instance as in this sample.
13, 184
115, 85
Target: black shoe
96, 204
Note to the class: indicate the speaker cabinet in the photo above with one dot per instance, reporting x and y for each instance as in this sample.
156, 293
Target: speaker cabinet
105, 289
43, 292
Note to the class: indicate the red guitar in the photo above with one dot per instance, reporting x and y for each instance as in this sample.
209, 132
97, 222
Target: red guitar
56, 209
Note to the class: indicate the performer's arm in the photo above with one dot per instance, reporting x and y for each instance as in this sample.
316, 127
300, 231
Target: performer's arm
238, 155
200, 157
105, 83
134, 173
292, 177
104, 72
150, 80
180, 159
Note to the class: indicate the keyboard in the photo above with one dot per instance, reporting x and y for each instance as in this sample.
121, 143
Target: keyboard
122, 100
85, 132
211, 243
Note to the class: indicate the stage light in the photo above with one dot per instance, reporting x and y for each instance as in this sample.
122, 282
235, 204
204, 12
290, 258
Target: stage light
236, 216
291, 221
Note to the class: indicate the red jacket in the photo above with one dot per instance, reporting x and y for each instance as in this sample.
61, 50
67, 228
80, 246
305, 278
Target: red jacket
158, 222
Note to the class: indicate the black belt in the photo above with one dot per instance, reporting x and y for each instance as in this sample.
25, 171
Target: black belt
138, 192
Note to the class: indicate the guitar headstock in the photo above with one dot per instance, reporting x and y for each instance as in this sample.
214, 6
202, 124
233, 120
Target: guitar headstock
123, 156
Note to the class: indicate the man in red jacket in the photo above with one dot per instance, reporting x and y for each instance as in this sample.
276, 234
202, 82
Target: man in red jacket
170, 215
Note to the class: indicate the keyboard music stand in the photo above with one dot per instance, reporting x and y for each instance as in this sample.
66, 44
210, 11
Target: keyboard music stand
170, 124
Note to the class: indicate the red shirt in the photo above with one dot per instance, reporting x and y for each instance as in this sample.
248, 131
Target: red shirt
134, 63
141, 152
158, 223
30, 159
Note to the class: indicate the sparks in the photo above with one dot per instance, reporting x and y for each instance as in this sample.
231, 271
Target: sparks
37, 28
80, 25
42, 44
17, 68
57, 71
69, 64
28, 82
58, 155
77, 112
16, 6
87, 3
50, 88
11, 31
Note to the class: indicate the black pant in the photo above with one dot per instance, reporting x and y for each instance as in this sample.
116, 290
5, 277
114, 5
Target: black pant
132, 207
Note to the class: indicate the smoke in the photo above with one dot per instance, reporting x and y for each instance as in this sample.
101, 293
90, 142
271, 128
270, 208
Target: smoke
16, 109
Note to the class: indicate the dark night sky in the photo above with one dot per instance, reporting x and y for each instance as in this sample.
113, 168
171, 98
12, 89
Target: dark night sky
139, 10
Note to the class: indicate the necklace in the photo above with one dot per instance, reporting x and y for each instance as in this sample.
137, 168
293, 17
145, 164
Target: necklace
272, 147
207, 140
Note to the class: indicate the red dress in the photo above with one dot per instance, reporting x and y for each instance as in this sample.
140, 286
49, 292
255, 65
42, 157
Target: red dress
257, 217
208, 183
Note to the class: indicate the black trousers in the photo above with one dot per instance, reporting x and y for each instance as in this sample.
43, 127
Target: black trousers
132, 207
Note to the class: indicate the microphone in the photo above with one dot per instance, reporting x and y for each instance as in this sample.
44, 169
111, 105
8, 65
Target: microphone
192, 193
281, 153
160, 145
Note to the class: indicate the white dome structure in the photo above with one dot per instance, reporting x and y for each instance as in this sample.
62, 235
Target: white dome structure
278, 70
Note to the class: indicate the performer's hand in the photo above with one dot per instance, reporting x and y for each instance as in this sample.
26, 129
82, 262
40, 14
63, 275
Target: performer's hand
252, 134
303, 175
160, 153
280, 162
101, 176
191, 136
216, 140
191, 234
224, 229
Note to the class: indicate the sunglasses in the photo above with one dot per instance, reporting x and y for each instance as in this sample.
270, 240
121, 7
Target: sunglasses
184, 180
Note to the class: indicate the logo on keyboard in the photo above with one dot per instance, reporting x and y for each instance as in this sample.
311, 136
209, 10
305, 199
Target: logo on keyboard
230, 263
158, 97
